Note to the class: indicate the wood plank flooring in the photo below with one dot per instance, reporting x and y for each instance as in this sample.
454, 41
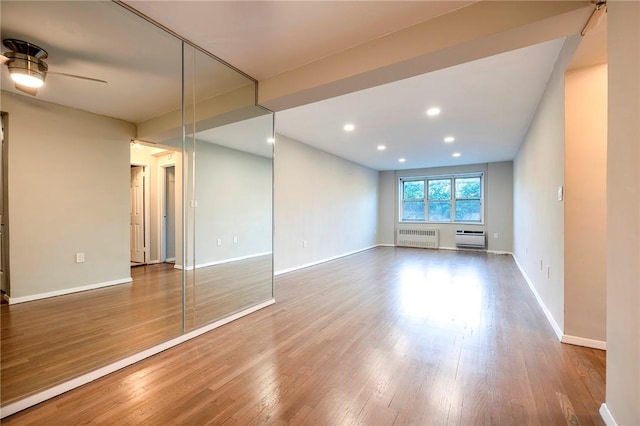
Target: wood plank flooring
389, 336
47, 342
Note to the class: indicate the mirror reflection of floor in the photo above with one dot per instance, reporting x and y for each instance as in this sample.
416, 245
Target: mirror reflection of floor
49, 341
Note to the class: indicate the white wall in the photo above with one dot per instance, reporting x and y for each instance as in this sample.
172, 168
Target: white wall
233, 189
69, 192
585, 249
538, 215
498, 204
330, 203
623, 213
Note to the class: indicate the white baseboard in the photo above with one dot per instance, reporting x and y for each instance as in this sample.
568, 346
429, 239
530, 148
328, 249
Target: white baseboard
581, 341
220, 262
500, 252
153, 262
39, 397
606, 415
170, 259
547, 313
22, 299
318, 262
385, 245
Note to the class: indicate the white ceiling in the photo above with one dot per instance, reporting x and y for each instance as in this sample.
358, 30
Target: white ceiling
264, 38
486, 105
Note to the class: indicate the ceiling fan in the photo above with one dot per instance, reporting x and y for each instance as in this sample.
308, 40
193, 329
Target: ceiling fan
27, 67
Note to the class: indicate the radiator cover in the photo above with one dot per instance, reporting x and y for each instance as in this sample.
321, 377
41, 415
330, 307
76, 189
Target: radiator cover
421, 238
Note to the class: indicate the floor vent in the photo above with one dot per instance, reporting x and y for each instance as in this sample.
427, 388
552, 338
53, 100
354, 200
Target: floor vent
422, 238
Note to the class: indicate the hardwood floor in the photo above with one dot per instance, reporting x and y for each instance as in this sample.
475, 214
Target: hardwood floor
47, 342
387, 336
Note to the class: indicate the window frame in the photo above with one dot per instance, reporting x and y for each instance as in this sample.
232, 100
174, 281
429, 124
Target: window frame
452, 200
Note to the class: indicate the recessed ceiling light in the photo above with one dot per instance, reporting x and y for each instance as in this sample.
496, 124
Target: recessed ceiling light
381, 147
402, 160
431, 112
271, 140
456, 154
349, 127
449, 139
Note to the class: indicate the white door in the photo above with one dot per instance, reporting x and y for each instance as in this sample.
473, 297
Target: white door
137, 215
170, 214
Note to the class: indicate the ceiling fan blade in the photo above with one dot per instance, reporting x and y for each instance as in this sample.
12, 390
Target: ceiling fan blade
3, 59
28, 90
76, 76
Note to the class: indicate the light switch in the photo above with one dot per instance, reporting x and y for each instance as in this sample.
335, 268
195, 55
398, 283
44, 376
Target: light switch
79, 257
560, 193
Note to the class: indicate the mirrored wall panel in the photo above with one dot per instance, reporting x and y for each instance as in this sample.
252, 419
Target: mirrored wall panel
114, 206
230, 196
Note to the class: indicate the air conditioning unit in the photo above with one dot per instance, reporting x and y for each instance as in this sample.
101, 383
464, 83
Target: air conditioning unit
470, 239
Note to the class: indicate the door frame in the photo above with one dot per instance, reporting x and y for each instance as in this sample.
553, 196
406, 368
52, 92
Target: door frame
162, 205
4, 241
146, 203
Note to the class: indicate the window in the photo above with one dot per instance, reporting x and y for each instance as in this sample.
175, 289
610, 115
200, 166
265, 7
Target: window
446, 199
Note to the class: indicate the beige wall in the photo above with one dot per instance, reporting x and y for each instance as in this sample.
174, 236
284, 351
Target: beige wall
69, 192
327, 201
538, 215
387, 199
498, 206
623, 213
585, 202
233, 189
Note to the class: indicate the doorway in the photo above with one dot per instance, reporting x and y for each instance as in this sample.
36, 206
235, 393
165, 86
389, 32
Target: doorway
138, 213
169, 215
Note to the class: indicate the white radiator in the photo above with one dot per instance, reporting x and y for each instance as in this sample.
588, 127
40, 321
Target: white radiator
412, 237
470, 239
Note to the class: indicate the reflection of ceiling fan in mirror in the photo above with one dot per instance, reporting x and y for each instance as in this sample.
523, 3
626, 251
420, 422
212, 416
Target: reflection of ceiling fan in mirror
27, 67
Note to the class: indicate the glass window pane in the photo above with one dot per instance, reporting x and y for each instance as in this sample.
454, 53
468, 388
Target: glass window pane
468, 211
440, 189
468, 187
439, 211
413, 210
413, 190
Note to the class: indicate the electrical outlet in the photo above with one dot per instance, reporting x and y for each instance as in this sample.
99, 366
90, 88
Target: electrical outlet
304, 243
219, 242
79, 257
495, 235
235, 240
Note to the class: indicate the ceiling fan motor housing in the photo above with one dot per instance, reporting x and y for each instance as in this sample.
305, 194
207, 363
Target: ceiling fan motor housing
26, 64
26, 58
